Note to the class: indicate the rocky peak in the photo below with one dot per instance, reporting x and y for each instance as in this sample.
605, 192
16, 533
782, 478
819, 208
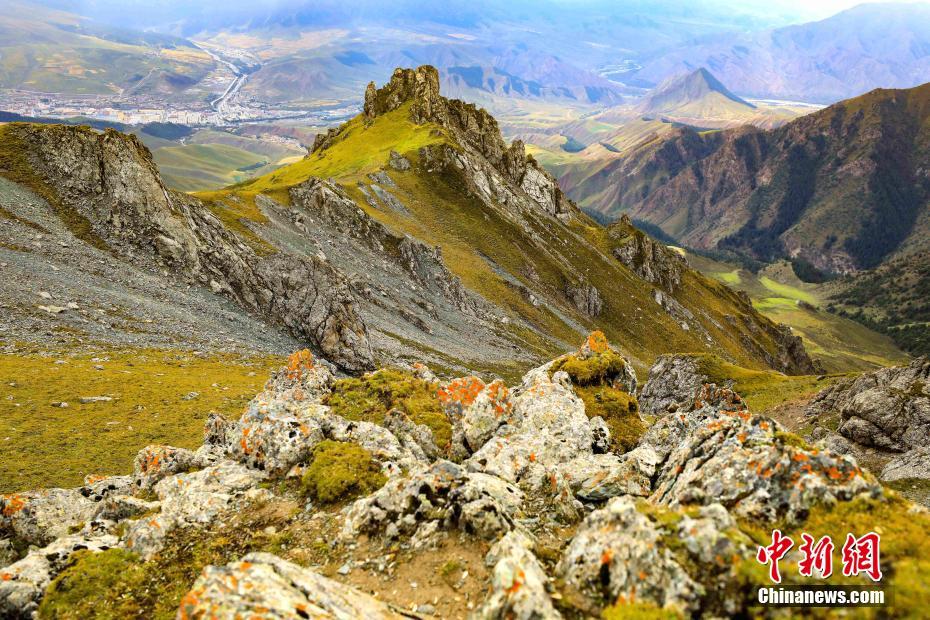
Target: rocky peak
647, 258
469, 125
420, 86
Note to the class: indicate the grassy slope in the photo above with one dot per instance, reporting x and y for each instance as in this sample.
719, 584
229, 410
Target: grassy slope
36, 53
478, 243
841, 344
193, 167
44, 445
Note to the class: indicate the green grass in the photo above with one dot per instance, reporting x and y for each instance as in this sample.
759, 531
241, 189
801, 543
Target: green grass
195, 167
785, 290
364, 147
45, 446
761, 389
841, 344
731, 278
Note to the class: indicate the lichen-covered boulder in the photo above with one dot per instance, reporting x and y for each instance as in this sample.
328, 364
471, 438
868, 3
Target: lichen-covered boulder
39, 517
415, 438
476, 409
550, 427
156, 462
601, 476
620, 552
195, 498
518, 582
263, 585
23, 583
275, 434
443, 492
720, 452
304, 378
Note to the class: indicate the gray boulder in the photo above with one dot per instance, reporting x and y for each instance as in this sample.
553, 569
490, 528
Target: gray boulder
263, 585
518, 583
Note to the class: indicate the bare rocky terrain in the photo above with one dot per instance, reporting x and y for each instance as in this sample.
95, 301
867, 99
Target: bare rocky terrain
57, 289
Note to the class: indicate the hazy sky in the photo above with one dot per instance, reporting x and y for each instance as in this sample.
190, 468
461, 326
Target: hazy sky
822, 8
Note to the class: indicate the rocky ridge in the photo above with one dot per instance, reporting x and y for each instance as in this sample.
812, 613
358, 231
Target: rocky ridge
108, 183
345, 266
523, 463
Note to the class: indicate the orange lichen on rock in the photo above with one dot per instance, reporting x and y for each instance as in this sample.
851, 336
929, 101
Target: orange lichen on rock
299, 362
12, 504
597, 342
460, 393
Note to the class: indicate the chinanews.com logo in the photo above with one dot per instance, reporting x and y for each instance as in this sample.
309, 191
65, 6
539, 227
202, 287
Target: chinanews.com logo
860, 556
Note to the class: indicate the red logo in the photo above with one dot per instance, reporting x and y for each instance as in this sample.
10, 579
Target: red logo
774, 552
819, 556
859, 555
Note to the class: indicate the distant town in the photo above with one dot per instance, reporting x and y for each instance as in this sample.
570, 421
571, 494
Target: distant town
139, 110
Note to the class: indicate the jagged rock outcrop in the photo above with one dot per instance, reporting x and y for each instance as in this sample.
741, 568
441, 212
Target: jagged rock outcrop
888, 409
673, 382
720, 452
647, 258
619, 552
108, 183
471, 127
585, 297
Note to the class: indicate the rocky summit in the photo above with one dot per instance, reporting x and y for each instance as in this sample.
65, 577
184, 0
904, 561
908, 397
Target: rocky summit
450, 498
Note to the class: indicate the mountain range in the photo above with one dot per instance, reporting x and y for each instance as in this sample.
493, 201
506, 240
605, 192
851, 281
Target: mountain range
836, 192
384, 243
868, 46
315, 55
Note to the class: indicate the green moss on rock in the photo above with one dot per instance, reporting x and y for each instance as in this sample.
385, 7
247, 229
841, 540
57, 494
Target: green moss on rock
340, 471
619, 410
593, 370
370, 397
95, 585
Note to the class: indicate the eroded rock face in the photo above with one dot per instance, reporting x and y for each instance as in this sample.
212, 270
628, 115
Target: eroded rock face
672, 384
649, 259
263, 585
888, 409
110, 180
585, 297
